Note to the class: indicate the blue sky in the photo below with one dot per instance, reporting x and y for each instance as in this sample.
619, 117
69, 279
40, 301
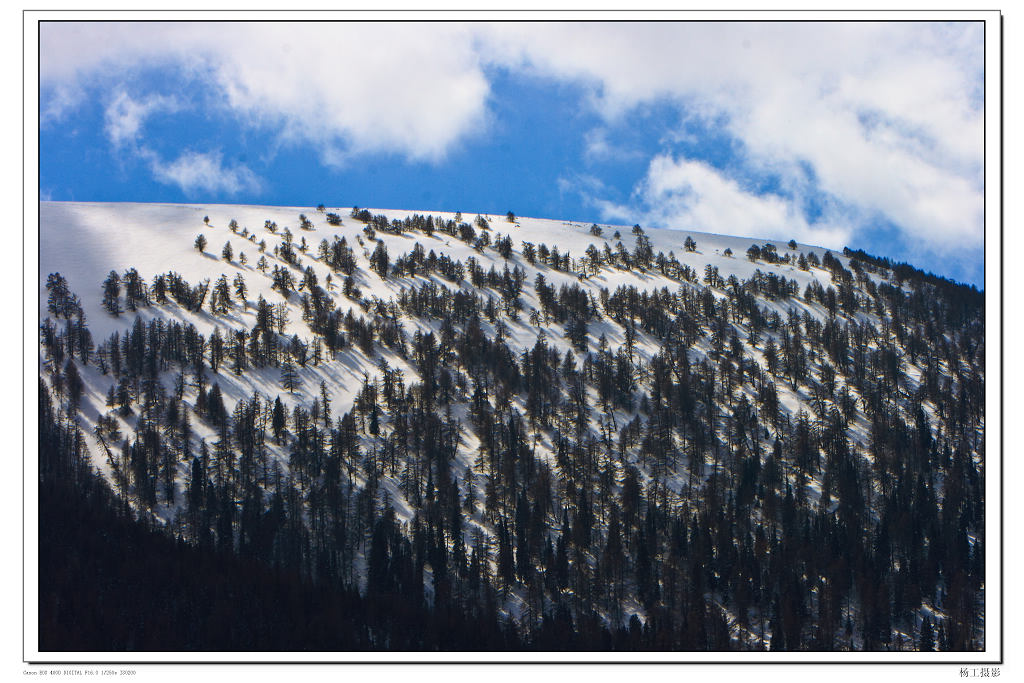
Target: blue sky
863, 134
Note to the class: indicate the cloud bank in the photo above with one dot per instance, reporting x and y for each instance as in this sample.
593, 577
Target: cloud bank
882, 121
409, 89
693, 196
888, 116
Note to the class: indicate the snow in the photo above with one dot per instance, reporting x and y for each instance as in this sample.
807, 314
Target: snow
85, 241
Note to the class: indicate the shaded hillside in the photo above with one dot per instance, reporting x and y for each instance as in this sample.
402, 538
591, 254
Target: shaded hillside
537, 432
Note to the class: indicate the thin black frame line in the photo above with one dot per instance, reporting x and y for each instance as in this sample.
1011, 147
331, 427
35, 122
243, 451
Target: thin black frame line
523, 11
510, 21
24, 319
1002, 347
539, 662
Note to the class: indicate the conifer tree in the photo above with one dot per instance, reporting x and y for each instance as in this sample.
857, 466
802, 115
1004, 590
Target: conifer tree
379, 260
112, 293
289, 375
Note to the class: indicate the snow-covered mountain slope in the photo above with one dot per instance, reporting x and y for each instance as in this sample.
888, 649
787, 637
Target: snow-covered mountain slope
667, 360
85, 241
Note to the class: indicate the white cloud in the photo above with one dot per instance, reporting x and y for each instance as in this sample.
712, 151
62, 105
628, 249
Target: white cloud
690, 195
58, 101
412, 89
589, 186
71, 51
125, 116
887, 116
203, 172
192, 171
378, 87
597, 147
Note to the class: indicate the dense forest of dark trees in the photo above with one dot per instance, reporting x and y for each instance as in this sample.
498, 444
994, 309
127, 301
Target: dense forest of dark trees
671, 499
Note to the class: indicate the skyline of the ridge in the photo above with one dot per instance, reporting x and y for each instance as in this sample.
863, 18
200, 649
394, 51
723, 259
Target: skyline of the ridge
859, 134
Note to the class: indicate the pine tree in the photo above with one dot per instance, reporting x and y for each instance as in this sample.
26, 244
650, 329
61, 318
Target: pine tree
73, 383
112, 293
379, 260
279, 419
200, 242
289, 375
241, 290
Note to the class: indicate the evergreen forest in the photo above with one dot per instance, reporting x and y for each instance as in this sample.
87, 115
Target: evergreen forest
358, 431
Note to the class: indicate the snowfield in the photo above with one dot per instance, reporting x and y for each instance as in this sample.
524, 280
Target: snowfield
84, 242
